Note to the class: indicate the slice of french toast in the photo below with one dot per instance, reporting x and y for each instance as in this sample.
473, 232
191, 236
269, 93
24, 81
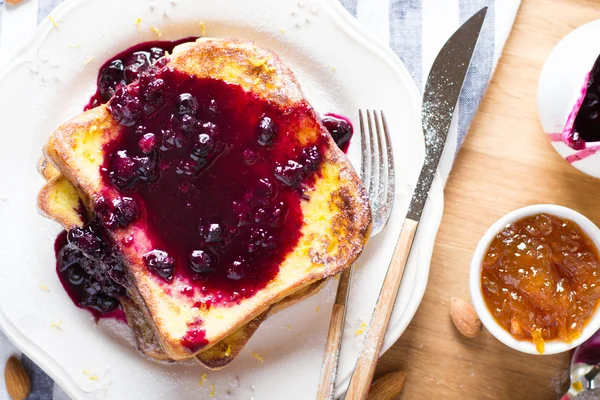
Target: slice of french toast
244, 200
59, 200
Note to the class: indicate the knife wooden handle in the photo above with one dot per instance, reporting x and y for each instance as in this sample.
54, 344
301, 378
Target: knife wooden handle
358, 389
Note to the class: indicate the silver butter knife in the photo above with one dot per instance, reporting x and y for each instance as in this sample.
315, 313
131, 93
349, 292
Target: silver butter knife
442, 89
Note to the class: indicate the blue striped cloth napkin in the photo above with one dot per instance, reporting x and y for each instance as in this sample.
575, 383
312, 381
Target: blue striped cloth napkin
415, 30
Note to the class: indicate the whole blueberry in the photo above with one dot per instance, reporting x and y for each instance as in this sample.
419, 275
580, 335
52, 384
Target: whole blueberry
290, 174
161, 263
111, 76
153, 95
125, 106
187, 104
147, 143
146, 167
310, 159
202, 262
156, 53
86, 241
75, 275
202, 145
188, 123
123, 170
135, 64
266, 131
69, 255
104, 211
212, 232
126, 210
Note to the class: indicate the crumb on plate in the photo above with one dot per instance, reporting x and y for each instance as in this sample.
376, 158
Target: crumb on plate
56, 325
156, 30
258, 357
53, 21
91, 377
360, 330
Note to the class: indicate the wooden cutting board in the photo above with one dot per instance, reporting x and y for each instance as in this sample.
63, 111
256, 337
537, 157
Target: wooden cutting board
505, 163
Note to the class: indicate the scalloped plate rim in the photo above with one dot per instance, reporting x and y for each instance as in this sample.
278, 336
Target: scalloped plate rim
429, 227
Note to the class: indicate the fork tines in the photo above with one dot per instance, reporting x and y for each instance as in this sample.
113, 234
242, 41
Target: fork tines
377, 165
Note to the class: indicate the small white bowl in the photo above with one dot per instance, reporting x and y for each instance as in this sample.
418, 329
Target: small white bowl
488, 320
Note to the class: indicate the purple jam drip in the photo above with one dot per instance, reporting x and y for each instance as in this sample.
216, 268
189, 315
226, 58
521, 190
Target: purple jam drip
586, 127
589, 351
126, 67
195, 337
340, 128
89, 282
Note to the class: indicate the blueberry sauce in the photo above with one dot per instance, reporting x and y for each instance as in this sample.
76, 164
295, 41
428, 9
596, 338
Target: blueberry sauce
586, 125
220, 188
181, 139
126, 67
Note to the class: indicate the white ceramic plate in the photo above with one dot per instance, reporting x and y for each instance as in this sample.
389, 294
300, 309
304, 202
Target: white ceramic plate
341, 69
560, 87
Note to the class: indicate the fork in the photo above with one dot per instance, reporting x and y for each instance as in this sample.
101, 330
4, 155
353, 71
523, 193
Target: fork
377, 174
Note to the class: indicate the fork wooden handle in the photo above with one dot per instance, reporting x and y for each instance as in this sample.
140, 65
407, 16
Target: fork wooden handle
358, 389
332, 353
334, 339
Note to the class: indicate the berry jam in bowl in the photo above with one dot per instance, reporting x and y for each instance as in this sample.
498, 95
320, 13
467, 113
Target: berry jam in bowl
535, 279
569, 99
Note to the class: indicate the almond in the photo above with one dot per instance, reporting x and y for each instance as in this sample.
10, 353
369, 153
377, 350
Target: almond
388, 386
464, 317
17, 379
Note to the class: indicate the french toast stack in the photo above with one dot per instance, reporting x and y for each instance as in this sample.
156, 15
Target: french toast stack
210, 193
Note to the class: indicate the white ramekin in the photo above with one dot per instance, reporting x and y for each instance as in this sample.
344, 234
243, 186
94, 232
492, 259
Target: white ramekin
525, 346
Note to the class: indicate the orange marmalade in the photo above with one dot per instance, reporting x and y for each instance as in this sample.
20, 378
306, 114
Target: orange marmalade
541, 279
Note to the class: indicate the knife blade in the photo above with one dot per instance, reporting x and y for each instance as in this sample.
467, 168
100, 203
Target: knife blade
442, 90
